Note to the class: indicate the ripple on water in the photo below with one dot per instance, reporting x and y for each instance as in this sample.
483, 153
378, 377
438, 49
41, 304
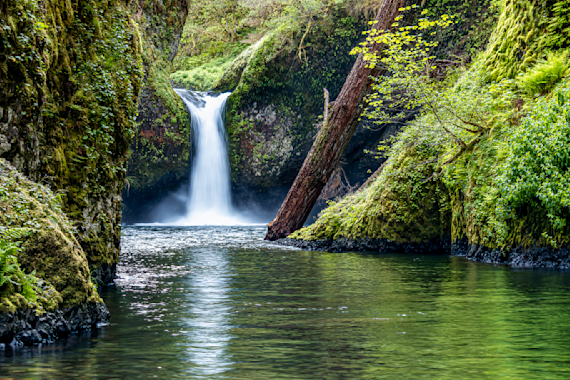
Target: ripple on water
221, 303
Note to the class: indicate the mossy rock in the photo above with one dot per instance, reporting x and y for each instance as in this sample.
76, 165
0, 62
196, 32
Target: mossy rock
32, 215
525, 31
399, 205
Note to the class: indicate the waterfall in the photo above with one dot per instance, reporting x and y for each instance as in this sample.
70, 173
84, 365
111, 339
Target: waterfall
209, 197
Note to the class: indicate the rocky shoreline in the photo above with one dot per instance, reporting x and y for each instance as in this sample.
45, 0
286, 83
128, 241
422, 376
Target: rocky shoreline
534, 257
367, 244
25, 328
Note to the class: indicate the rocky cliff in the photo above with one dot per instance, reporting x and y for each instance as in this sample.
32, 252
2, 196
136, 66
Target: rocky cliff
160, 151
70, 75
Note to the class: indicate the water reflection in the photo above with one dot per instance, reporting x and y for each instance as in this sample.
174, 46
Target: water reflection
210, 307
220, 303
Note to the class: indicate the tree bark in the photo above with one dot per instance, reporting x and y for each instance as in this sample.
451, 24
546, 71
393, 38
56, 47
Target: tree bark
332, 139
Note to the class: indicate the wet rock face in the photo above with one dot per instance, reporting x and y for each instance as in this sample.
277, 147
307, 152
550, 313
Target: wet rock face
269, 142
161, 153
367, 244
530, 257
25, 328
104, 274
520, 257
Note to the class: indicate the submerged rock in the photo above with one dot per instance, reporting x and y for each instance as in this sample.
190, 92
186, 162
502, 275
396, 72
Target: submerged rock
519, 257
368, 245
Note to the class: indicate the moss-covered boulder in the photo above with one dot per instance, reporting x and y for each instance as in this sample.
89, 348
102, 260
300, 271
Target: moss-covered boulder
52, 260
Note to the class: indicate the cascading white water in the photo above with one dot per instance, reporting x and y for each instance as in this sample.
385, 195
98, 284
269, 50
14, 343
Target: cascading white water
209, 199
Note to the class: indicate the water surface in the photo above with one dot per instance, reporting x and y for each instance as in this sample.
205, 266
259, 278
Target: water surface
219, 303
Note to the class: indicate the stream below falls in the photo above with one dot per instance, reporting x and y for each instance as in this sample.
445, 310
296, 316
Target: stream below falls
220, 303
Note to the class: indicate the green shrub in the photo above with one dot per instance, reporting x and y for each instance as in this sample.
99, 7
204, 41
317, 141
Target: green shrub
204, 76
535, 173
8, 263
545, 74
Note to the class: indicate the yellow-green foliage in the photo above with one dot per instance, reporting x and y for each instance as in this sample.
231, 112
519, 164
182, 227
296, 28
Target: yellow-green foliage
205, 76
542, 77
525, 30
31, 216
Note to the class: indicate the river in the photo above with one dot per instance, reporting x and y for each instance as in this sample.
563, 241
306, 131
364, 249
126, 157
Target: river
220, 303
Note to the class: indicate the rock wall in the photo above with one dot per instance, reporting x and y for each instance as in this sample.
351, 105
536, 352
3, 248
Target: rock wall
70, 74
160, 151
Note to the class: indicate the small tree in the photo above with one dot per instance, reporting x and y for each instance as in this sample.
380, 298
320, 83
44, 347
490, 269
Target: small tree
409, 86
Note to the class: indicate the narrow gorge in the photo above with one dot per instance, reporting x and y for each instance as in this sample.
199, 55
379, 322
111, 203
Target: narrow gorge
284, 189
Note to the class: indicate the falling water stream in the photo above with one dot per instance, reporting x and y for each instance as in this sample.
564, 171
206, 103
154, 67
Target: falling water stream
209, 199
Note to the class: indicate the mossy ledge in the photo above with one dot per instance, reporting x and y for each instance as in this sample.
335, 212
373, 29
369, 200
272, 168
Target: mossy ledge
64, 298
368, 245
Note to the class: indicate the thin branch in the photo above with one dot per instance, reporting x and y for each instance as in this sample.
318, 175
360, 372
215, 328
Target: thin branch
301, 47
326, 113
465, 129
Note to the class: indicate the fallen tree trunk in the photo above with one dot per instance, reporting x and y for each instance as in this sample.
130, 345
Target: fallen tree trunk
332, 139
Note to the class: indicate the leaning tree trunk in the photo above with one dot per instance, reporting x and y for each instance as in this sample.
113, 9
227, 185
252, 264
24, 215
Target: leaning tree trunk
332, 139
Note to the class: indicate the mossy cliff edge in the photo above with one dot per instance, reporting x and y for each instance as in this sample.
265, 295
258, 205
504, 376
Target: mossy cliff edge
504, 198
70, 75
46, 290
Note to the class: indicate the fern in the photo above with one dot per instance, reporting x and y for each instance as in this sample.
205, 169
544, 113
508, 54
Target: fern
545, 74
10, 270
8, 262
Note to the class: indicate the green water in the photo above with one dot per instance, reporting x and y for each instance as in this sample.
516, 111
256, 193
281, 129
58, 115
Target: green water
219, 303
